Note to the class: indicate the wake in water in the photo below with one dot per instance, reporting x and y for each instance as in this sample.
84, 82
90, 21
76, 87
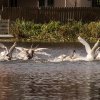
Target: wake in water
64, 57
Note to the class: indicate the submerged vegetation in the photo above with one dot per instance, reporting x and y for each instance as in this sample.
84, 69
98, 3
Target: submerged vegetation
55, 31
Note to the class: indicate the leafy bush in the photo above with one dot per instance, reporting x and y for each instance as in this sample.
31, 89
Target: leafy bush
50, 27
55, 31
24, 29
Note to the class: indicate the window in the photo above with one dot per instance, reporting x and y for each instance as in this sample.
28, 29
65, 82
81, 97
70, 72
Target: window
50, 2
41, 3
96, 3
13, 3
46, 3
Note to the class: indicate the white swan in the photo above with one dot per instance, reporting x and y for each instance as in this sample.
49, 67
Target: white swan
25, 53
90, 51
73, 57
64, 57
6, 54
91, 55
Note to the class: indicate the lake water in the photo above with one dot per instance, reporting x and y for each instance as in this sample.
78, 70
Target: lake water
39, 79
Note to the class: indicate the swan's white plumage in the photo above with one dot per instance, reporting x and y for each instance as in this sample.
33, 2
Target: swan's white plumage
21, 48
6, 54
26, 52
98, 53
90, 52
87, 46
95, 47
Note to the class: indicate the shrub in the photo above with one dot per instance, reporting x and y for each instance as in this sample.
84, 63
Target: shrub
55, 31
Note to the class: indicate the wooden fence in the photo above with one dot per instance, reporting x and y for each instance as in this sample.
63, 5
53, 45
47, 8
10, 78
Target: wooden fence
42, 15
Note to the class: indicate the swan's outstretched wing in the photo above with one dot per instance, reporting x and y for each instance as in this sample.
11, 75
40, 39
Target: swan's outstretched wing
21, 48
87, 46
12, 48
43, 53
3, 47
34, 47
95, 46
40, 49
98, 49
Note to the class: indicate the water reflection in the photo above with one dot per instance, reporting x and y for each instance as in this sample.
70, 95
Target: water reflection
10, 87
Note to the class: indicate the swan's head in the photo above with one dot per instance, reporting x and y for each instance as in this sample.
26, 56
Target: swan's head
8, 57
31, 51
26, 54
74, 51
29, 54
73, 54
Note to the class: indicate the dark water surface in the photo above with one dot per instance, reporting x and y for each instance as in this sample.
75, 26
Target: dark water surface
42, 80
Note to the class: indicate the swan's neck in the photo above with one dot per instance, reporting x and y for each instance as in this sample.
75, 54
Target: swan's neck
90, 57
30, 54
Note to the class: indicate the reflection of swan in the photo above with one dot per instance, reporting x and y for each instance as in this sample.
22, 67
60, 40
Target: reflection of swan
26, 53
6, 54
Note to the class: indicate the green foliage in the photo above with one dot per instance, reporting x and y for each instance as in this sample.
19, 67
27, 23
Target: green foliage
24, 29
50, 27
55, 31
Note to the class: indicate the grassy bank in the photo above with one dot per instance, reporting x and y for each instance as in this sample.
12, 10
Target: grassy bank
54, 32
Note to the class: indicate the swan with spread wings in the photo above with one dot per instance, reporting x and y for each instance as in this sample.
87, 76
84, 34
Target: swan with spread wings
6, 54
28, 53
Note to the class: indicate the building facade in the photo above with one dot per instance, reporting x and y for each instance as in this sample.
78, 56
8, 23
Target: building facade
50, 3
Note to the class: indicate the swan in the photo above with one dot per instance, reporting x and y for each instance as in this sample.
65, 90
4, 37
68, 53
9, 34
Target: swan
90, 51
27, 53
64, 57
6, 54
73, 57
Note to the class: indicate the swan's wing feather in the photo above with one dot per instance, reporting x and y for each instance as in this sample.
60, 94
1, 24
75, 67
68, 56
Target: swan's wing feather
97, 50
43, 53
11, 49
95, 46
40, 49
34, 47
87, 46
21, 48
3, 47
